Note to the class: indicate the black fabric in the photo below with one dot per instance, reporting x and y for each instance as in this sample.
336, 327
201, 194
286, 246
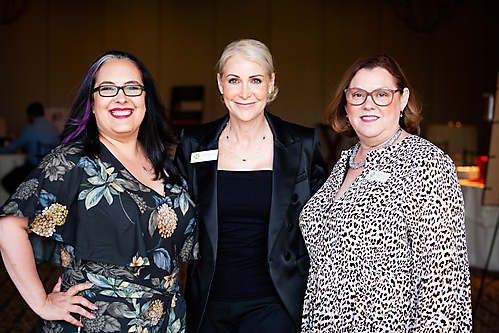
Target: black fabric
93, 217
266, 315
298, 171
243, 222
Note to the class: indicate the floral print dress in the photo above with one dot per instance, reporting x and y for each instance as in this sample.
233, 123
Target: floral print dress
90, 215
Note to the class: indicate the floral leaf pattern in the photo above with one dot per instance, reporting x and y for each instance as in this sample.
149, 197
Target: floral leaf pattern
153, 222
101, 183
12, 208
131, 183
162, 259
102, 322
26, 189
52, 327
183, 203
138, 289
55, 164
139, 201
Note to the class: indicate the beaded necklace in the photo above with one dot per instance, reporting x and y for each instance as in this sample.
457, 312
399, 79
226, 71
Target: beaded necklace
356, 148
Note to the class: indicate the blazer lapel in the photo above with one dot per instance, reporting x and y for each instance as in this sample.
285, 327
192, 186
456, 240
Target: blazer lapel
287, 156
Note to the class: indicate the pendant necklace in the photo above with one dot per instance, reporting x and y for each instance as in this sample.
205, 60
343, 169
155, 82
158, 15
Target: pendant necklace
356, 148
128, 158
247, 158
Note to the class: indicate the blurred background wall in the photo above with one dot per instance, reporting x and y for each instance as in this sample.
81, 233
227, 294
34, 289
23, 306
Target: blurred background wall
449, 49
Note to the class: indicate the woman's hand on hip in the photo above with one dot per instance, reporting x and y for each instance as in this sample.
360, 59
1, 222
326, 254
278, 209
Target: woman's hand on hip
60, 305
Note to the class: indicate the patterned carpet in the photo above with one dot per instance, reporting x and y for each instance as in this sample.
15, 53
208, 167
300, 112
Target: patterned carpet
16, 316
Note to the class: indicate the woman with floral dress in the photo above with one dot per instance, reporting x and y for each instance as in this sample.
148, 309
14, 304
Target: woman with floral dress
109, 206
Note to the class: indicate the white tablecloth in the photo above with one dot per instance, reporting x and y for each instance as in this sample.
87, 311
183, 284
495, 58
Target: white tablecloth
480, 225
7, 163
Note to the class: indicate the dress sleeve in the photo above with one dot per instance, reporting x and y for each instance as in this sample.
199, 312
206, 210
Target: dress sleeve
437, 234
48, 198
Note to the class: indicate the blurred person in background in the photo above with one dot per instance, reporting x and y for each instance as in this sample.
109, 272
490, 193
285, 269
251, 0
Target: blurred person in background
37, 139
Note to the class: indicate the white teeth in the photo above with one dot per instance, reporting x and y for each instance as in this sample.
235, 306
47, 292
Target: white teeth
369, 117
121, 113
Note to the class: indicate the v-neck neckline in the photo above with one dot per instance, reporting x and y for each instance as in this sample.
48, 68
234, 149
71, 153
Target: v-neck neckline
135, 178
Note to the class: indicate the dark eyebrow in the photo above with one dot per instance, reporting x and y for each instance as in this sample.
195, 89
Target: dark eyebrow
126, 83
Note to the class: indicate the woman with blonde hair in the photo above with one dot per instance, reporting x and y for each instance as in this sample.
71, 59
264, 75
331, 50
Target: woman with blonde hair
250, 173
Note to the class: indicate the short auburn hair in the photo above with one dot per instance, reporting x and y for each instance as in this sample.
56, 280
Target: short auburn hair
335, 115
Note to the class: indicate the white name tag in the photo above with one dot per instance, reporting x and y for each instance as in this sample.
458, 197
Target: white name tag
379, 176
204, 156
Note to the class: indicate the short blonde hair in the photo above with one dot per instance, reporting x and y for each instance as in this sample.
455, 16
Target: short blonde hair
252, 50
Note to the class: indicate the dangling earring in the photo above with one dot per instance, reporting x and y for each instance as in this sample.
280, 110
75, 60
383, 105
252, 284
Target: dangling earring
402, 114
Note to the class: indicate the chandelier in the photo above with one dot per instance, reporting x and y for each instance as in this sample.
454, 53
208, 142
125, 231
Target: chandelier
424, 16
12, 10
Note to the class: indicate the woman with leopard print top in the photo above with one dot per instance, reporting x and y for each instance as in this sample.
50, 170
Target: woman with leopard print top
385, 233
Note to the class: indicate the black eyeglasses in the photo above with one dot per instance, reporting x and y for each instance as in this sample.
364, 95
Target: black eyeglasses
381, 97
130, 90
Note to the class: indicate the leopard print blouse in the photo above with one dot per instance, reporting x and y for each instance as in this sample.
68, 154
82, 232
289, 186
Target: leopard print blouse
390, 254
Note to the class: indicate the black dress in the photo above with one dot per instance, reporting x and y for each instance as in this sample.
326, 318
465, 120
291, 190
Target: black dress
90, 215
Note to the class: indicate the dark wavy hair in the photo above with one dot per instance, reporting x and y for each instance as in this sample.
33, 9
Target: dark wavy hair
155, 133
335, 114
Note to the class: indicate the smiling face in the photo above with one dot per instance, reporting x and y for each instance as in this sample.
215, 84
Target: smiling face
376, 124
245, 86
118, 117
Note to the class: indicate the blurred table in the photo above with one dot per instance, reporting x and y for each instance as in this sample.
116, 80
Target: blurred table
480, 223
7, 163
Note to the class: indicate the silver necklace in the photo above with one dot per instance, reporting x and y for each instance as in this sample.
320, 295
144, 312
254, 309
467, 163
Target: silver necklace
247, 158
128, 158
356, 148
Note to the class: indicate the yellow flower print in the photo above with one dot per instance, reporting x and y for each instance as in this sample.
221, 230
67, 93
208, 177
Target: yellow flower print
137, 261
169, 281
123, 284
155, 312
110, 170
58, 211
138, 329
117, 187
174, 301
167, 220
44, 223
65, 257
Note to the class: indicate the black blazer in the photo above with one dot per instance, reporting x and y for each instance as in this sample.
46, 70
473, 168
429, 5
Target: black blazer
298, 171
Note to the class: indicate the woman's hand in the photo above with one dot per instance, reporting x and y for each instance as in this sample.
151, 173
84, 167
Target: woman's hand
60, 305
